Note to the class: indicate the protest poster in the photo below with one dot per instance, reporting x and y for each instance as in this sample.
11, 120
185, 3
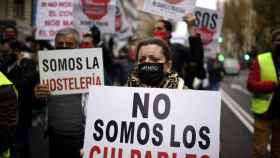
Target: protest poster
173, 9
152, 123
95, 12
209, 25
53, 15
71, 71
123, 29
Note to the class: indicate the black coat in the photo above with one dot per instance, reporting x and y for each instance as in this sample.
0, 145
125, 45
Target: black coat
188, 61
24, 77
8, 116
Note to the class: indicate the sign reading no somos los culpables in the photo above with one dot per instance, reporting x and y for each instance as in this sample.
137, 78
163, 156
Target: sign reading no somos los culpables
152, 123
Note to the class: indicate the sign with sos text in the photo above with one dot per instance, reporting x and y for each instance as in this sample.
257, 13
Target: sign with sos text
209, 25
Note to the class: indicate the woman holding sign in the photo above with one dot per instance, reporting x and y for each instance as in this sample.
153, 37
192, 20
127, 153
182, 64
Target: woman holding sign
154, 67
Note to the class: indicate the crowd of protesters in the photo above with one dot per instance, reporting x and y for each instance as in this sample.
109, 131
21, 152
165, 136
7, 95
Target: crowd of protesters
174, 66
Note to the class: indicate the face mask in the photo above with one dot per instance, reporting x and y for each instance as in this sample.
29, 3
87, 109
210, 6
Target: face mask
58, 48
10, 35
151, 73
160, 34
85, 45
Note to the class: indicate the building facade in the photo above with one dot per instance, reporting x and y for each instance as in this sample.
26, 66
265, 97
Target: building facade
18, 13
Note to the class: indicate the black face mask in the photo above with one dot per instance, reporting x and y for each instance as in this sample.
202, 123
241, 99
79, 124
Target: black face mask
59, 48
151, 73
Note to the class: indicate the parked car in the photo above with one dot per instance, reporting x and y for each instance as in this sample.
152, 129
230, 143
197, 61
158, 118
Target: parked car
231, 66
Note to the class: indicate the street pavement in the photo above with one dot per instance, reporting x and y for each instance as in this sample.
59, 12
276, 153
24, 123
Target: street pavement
236, 121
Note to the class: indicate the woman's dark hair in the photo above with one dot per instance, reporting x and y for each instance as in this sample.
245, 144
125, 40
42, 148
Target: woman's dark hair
167, 24
154, 41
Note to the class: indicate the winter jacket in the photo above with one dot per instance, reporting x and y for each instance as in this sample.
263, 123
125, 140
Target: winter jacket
24, 77
65, 115
188, 61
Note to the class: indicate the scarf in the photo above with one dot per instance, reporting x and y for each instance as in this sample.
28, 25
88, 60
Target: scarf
171, 81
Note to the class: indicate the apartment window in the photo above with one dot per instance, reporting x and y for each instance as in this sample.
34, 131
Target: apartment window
19, 8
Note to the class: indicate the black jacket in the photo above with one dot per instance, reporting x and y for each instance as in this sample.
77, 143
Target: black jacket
24, 77
8, 116
188, 62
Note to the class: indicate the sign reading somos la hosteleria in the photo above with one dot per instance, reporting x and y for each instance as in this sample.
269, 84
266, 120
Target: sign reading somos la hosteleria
152, 123
71, 71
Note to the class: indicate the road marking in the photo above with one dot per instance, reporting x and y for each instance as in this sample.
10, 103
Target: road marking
238, 114
240, 88
238, 107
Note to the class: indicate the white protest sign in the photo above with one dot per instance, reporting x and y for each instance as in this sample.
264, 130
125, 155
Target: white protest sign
209, 26
174, 9
53, 15
71, 71
123, 29
152, 123
95, 12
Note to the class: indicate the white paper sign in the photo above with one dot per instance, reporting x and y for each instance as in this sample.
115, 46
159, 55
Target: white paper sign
95, 12
174, 9
152, 123
209, 26
71, 71
123, 29
53, 15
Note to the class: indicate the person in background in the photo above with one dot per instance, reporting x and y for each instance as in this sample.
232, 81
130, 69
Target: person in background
263, 82
215, 73
87, 41
18, 67
37, 45
107, 53
188, 62
154, 66
9, 36
93, 40
65, 116
10, 33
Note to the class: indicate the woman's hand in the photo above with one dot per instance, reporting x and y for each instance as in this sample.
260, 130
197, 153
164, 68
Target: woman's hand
190, 20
